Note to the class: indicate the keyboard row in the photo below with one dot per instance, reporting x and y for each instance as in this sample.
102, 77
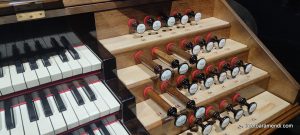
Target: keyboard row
107, 126
33, 66
57, 109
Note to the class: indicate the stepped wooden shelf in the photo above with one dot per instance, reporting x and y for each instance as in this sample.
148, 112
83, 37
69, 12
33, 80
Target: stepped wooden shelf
152, 116
139, 74
129, 42
220, 19
269, 106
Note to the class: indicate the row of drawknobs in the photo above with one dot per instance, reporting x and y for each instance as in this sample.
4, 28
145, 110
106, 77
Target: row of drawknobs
202, 73
186, 50
164, 21
198, 115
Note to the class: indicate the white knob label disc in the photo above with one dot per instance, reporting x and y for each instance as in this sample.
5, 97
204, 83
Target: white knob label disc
207, 130
209, 46
225, 123
252, 108
248, 68
156, 25
200, 112
197, 17
222, 43
201, 64
193, 88
223, 77
184, 19
235, 71
239, 114
166, 75
196, 49
171, 21
209, 82
183, 68
141, 28
180, 120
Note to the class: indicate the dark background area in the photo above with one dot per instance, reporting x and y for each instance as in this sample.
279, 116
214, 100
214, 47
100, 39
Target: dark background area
277, 24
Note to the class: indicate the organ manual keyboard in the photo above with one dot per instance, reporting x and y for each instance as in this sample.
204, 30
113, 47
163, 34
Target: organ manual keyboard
136, 67
54, 82
58, 108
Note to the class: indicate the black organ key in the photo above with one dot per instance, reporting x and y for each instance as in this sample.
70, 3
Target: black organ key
60, 50
76, 95
42, 52
32, 64
30, 57
45, 61
45, 104
59, 102
31, 109
9, 116
82, 131
17, 56
1, 72
19, 67
15, 51
89, 130
73, 38
75, 133
88, 91
70, 48
101, 126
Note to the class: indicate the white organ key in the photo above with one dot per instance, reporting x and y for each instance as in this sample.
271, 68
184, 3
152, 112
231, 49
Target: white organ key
84, 51
44, 123
91, 57
3, 129
57, 119
76, 68
118, 128
89, 106
6, 86
30, 128
100, 103
108, 127
86, 66
30, 76
18, 81
18, 130
113, 104
80, 111
64, 67
54, 70
42, 73
69, 115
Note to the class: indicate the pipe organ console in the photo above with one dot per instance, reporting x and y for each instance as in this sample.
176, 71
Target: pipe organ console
126, 67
